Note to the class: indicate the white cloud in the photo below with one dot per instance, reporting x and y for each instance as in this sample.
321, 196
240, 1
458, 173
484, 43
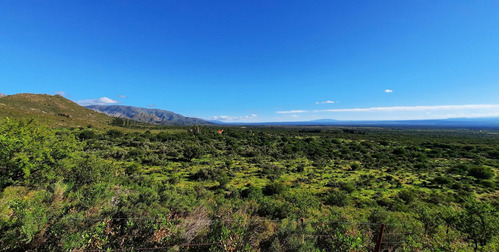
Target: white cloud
122, 96
292, 111
221, 118
61, 93
234, 118
97, 101
414, 108
388, 90
325, 102
399, 108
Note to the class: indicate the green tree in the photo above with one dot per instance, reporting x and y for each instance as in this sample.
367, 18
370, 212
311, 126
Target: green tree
30, 153
479, 222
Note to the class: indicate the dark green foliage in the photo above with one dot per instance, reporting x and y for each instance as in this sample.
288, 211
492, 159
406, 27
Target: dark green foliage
31, 153
192, 151
114, 133
87, 134
275, 187
489, 184
407, 195
337, 198
222, 179
284, 189
349, 187
205, 174
272, 171
479, 221
274, 208
252, 192
334, 235
378, 215
460, 169
87, 170
481, 172
429, 216
442, 180
355, 166
132, 169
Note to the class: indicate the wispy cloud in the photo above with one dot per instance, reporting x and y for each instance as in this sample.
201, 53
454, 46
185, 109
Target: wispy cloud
97, 101
325, 102
122, 96
234, 118
61, 93
292, 111
388, 90
152, 105
398, 108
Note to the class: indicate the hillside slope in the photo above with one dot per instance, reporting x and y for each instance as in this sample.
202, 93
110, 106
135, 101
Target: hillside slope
145, 115
54, 110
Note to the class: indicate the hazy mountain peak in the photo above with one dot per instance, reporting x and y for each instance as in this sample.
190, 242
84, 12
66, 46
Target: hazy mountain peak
147, 115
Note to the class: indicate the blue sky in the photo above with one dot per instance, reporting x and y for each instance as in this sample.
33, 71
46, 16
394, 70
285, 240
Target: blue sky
259, 60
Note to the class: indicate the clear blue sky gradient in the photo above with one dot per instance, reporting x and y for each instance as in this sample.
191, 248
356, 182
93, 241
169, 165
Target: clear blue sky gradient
258, 60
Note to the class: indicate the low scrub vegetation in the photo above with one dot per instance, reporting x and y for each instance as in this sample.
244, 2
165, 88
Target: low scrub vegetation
247, 189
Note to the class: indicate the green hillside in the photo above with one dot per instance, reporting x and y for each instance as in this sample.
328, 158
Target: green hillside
54, 110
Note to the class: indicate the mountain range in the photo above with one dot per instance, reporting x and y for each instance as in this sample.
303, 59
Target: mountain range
146, 115
59, 111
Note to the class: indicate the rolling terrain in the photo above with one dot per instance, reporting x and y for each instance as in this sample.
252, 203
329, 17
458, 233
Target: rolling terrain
67, 187
56, 110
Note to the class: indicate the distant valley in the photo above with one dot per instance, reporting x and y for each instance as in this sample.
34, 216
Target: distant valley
482, 122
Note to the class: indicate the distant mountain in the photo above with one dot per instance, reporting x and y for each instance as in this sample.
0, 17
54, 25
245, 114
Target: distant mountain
54, 110
145, 115
483, 122
325, 121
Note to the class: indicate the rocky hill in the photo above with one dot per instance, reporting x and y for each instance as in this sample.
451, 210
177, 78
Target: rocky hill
55, 110
145, 115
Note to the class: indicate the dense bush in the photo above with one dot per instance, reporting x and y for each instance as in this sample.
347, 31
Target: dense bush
337, 198
481, 172
247, 189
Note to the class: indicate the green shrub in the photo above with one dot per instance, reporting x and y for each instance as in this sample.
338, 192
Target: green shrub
442, 180
223, 179
337, 198
407, 195
275, 187
489, 184
479, 222
481, 172
252, 192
